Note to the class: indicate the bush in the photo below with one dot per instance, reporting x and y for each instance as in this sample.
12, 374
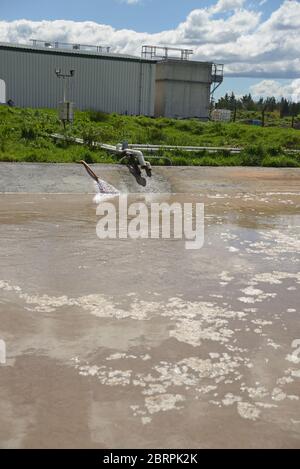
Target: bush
280, 162
98, 116
90, 136
198, 129
88, 157
28, 132
274, 151
32, 158
156, 136
253, 155
144, 121
180, 161
217, 128
200, 154
209, 161
4, 136
226, 153
184, 126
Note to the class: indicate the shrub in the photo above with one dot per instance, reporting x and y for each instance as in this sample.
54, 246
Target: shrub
184, 126
98, 116
253, 155
198, 129
226, 153
32, 158
274, 151
4, 136
156, 136
28, 132
209, 161
217, 128
88, 157
180, 161
90, 136
200, 154
280, 162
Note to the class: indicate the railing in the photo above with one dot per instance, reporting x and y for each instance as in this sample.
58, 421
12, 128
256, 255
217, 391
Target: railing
157, 52
217, 73
72, 46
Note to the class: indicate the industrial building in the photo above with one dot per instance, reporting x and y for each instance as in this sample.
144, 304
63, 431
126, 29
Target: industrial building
155, 84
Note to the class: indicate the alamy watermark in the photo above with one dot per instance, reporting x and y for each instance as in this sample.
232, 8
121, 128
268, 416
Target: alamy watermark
179, 218
2, 352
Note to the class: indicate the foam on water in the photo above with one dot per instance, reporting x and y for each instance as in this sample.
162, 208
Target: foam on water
105, 191
220, 377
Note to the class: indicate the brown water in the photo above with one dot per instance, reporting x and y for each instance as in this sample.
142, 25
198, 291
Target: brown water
118, 344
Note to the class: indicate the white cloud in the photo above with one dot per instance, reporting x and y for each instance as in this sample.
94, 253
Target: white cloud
201, 27
131, 2
227, 5
248, 45
275, 88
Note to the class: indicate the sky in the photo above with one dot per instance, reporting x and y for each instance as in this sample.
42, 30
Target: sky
257, 40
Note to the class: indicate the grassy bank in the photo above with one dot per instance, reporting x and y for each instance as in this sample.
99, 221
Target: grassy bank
24, 137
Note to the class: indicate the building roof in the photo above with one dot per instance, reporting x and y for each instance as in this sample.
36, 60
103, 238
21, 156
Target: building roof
72, 52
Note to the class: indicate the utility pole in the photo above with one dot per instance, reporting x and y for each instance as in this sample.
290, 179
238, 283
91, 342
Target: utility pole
66, 108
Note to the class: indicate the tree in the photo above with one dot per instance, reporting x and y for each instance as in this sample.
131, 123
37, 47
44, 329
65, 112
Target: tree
248, 102
271, 103
294, 113
284, 108
263, 106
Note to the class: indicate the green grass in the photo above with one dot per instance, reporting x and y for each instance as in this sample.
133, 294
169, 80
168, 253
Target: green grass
24, 137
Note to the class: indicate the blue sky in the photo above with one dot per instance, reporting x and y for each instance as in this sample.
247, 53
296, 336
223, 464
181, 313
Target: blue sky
260, 50
144, 16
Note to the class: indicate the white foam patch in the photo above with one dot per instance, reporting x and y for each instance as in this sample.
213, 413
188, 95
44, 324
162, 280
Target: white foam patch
261, 322
275, 243
226, 277
247, 300
251, 291
264, 405
255, 295
7, 287
146, 420
198, 321
230, 399
248, 411
107, 376
278, 394
273, 344
259, 392
163, 403
276, 278
233, 249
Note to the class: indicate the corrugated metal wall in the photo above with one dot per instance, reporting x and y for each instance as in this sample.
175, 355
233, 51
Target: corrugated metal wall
183, 89
2, 91
105, 83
